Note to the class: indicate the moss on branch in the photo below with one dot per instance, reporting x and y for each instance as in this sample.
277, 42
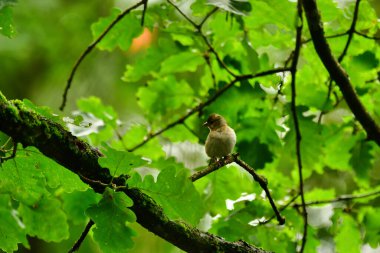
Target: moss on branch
53, 140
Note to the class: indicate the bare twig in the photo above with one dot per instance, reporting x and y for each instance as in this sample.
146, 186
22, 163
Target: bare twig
202, 105
207, 16
207, 59
82, 237
263, 182
293, 71
198, 27
340, 199
145, 7
366, 36
328, 37
351, 31
182, 13
91, 47
282, 208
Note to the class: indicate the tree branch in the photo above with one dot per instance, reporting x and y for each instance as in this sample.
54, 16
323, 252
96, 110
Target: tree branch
341, 198
336, 72
293, 71
31, 129
82, 237
263, 182
92, 46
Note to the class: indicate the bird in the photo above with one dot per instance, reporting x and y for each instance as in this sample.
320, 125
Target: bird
221, 138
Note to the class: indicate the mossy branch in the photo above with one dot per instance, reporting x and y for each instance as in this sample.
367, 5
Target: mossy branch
54, 141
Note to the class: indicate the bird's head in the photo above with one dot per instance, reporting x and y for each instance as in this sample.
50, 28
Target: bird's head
215, 121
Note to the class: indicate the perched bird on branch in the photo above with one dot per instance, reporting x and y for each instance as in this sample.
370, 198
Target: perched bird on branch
221, 139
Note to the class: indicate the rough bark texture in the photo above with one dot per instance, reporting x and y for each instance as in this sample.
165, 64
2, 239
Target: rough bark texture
337, 73
31, 129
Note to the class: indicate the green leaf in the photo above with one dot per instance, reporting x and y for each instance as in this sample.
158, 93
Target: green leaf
255, 153
111, 216
348, 238
200, 8
365, 61
95, 106
121, 35
338, 143
136, 135
45, 219
120, 162
76, 203
56, 175
182, 62
175, 192
372, 225
23, 179
362, 158
6, 21
12, 230
150, 62
165, 95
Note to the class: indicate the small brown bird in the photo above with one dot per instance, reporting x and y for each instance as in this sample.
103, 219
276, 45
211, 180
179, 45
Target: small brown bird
221, 139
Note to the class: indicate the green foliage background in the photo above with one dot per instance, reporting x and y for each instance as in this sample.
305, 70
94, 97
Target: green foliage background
119, 97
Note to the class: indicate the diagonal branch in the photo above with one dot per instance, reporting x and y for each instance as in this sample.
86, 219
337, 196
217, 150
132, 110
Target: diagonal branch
202, 105
337, 73
263, 182
93, 45
293, 71
31, 129
82, 237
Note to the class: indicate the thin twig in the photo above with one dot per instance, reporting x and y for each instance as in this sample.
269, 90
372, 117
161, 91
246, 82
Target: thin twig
366, 36
183, 14
191, 130
202, 105
207, 59
207, 16
82, 237
91, 47
145, 7
293, 72
329, 91
263, 182
198, 27
282, 208
328, 37
340, 199
351, 31
13, 155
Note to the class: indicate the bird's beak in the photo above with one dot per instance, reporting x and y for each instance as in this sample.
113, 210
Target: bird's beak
205, 124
